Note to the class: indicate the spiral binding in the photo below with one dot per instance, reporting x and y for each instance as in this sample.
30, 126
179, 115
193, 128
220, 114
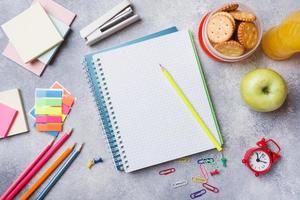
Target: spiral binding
108, 121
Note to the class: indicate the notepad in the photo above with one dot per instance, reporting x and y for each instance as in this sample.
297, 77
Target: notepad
7, 117
32, 33
149, 121
12, 98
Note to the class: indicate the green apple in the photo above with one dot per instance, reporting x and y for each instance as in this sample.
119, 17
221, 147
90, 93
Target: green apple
264, 90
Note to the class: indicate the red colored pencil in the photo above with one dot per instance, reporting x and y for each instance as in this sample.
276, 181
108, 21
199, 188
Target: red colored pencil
40, 164
27, 169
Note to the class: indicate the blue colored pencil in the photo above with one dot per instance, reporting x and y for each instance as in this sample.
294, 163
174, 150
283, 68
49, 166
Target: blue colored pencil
59, 173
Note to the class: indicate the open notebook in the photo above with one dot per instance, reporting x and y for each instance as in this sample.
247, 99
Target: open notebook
150, 123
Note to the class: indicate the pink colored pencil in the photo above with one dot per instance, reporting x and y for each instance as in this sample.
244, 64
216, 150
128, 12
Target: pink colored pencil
27, 170
40, 164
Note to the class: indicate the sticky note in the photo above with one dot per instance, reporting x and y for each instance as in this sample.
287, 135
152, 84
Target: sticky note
54, 93
48, 111
63, 29
32, 33
7, 117
48, 119
49, 127
68, 100
66, 109
48, 102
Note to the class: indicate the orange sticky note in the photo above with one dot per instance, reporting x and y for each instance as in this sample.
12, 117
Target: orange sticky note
49, 127
68, 100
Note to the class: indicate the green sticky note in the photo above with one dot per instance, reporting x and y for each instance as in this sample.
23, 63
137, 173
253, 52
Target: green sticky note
48, 102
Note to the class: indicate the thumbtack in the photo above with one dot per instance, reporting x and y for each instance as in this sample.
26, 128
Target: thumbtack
215, 172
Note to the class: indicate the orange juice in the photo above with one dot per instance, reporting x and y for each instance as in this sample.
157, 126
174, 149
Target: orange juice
282, 41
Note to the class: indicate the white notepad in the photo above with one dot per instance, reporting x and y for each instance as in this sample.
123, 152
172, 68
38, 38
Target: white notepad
32, 33
151, 123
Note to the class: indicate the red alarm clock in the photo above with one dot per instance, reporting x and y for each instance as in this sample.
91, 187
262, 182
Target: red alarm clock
260, 159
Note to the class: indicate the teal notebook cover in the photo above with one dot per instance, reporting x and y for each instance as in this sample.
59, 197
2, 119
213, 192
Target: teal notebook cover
99, 98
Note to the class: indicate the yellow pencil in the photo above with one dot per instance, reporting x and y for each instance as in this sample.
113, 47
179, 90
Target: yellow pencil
191, 108
48, 172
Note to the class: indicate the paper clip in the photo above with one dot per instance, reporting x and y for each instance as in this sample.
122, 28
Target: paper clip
215, 172
202, 161
178, 184
199, 179
184, 160
167, 171
210, 188
197, 194
204, 172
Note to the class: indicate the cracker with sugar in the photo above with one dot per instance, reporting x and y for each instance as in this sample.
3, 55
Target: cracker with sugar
243, 16
219, 28
229, 7
247, 34
230, 48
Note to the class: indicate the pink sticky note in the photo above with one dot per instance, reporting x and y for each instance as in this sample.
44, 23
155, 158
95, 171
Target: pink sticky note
7, 117
48, 119
66, 109
36, 66
51, 8
58, 11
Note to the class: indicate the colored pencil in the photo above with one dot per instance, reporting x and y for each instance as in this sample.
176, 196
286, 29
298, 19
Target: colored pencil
39, 165
48, 172
191, 108
27, 169
59, 173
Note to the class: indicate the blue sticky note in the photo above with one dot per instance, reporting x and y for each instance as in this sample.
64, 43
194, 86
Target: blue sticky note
63, 29
48, 93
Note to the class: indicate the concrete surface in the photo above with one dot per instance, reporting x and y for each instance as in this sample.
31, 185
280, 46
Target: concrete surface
241, 127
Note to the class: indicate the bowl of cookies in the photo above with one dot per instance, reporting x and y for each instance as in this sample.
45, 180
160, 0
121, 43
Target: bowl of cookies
230, 33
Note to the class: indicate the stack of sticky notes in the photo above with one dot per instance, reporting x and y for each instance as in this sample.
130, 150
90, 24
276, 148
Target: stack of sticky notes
52, 106
36, 34
48, 110
12, 117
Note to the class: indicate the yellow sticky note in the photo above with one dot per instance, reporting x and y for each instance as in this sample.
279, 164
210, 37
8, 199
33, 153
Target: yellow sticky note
48, 111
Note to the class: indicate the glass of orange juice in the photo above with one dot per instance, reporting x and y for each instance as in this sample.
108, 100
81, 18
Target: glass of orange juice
282, 41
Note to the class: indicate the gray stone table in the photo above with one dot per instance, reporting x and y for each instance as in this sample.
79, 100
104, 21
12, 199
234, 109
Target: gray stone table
241, 127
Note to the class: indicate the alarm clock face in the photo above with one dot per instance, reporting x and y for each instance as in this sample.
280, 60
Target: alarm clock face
259, 161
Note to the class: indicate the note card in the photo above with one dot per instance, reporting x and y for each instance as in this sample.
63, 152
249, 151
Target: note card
32, 33
7, 117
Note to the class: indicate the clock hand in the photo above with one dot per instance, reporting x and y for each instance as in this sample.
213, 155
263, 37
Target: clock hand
257, 156
263, 161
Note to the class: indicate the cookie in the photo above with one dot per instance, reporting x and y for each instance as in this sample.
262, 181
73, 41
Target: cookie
229, 7
247, 34
219, 28
243, 16
230, 48
227, 15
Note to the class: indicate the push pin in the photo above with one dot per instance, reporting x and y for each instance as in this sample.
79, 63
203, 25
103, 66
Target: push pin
98, 160
224, 161
215, 172
90, 164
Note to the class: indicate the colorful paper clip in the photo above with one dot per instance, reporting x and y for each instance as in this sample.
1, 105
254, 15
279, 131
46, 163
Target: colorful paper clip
202, 161
210, 188
204, 172
215, 172
184, 160
224, 161
199, 179
167, 171
197, 194
178, 184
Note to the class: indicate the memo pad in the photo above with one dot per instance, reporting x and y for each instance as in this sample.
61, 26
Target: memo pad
32, 33
12, 98
7, 117
151, 123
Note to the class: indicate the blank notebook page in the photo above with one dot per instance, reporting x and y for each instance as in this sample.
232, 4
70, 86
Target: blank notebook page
154, 124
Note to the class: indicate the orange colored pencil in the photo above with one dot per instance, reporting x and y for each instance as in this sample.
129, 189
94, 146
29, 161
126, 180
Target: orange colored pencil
48, 172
